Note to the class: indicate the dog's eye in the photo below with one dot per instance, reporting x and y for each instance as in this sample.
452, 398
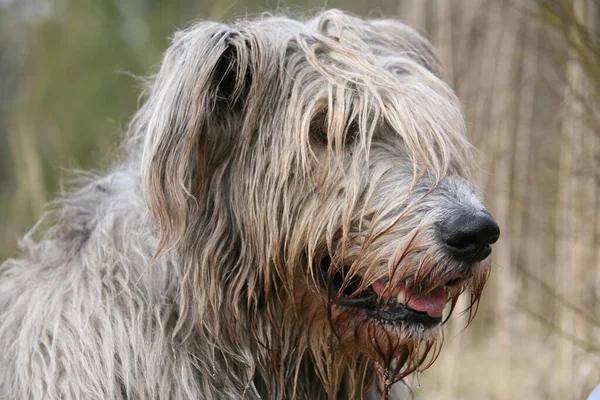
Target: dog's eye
323, 134
351, 133
319, 129
349, 136
320, 132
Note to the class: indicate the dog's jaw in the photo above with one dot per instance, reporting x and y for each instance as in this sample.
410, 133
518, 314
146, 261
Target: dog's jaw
400, 305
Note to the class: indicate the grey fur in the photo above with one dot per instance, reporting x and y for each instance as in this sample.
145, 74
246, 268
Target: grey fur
191, 270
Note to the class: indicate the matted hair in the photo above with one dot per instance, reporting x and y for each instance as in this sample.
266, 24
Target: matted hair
273, 156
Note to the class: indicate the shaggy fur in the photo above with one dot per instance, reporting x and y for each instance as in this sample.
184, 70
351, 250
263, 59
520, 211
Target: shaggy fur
272, 160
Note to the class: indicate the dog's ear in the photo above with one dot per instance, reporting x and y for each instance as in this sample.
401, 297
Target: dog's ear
191, 120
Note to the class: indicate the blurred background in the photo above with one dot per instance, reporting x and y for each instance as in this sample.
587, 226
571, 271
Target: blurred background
528, 73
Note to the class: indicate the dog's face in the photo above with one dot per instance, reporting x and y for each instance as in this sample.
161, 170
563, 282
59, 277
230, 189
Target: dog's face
387, 217
330, 160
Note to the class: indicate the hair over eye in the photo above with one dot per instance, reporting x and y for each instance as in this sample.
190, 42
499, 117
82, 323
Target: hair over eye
351, 133
320, 132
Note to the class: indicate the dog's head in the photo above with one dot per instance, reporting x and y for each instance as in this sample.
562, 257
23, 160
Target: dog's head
317, 171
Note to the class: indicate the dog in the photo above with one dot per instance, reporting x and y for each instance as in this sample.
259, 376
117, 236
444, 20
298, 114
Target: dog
292, 212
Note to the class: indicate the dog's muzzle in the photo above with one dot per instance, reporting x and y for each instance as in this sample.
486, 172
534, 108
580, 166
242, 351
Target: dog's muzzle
467, 235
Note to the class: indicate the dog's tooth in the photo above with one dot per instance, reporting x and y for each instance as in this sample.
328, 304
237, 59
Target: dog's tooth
401, 297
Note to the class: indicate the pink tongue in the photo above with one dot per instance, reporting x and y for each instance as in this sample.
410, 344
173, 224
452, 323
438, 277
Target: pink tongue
432, 303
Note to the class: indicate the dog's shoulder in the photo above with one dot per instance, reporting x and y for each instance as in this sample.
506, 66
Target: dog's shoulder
78, 296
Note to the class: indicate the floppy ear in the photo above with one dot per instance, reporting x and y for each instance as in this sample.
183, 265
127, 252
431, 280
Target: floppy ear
191, 120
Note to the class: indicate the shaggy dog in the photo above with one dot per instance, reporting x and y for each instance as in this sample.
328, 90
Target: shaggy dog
290, 216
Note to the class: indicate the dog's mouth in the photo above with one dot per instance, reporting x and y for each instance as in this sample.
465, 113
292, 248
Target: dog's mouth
399, 305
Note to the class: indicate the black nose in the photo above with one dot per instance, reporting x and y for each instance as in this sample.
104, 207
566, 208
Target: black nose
469, 234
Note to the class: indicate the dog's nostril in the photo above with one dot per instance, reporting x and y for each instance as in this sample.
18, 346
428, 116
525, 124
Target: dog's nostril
462, 241
469, 234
